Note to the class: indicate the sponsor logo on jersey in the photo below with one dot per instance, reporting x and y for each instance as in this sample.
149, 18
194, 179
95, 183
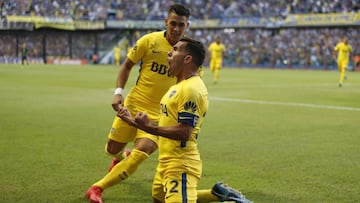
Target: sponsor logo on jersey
190, 106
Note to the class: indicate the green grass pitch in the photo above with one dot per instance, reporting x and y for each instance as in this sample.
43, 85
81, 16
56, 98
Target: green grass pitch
276, 135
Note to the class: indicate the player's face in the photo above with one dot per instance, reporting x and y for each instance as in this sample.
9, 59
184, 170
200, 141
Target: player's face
176, 58
175, 27
218, 40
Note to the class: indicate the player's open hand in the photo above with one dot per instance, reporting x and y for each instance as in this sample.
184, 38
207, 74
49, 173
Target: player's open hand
125, 115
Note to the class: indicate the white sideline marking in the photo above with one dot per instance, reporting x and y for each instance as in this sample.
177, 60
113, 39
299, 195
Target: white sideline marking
286, 104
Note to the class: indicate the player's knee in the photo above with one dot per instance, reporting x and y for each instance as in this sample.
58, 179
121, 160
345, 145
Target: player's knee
113, 147
145, 145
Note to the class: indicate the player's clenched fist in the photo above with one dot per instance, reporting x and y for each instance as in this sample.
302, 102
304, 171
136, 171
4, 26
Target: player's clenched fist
117, 102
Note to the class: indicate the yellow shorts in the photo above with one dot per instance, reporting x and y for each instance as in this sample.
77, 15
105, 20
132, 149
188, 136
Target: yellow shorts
124, 133
342, 65
215, 64
175, 187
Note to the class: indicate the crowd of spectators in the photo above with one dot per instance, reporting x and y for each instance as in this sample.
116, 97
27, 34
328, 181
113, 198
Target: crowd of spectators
211, 9
272, 47
291, 47
156, 9
78, 45
67, 9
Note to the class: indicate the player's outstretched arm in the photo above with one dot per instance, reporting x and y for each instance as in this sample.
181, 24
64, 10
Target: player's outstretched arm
121, 80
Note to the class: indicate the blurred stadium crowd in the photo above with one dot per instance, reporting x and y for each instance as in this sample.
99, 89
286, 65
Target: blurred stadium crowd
283, 47
151, 9
291, 47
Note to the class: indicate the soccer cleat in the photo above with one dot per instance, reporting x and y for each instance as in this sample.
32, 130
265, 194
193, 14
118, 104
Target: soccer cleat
113, 163
340, 84
94, 194
226, 193
116, 161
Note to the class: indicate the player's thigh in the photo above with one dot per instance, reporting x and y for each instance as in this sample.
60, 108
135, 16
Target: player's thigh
180, 187
345, 65
342, 65
218, 64
122, 131
212, 64
146, 142
158, 191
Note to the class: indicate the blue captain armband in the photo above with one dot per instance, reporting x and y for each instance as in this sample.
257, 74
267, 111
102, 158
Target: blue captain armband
188, 118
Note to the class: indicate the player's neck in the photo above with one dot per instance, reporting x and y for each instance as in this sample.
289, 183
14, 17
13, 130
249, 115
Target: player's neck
187, 76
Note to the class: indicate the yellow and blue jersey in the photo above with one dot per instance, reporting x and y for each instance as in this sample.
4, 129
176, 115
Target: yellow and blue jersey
186, 102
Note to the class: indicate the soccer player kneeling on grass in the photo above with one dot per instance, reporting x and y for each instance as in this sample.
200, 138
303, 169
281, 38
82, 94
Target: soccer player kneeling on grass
182, 110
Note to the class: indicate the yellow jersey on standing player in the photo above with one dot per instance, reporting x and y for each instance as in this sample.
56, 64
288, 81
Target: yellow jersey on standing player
186, 102
153, 80
216, 50
343, 51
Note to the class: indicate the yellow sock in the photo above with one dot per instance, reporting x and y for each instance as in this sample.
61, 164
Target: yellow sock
206, 196
123, 169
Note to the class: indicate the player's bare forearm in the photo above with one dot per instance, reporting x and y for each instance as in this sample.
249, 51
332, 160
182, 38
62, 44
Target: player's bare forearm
124, 73
176, 132
121, 80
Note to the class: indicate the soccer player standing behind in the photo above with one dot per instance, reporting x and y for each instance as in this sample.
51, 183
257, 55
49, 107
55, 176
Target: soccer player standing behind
117, 52
217, 50
24, 54
182, 110
344, 51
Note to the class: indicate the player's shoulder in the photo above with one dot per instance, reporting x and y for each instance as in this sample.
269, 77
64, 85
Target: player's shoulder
156, 34
193, 84
339, 44
148, 38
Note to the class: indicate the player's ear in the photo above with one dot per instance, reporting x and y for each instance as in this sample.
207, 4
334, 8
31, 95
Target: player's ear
188, 24
187, 59
166, 21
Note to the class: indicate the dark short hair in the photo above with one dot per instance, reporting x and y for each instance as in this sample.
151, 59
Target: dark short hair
196, 49
180, 10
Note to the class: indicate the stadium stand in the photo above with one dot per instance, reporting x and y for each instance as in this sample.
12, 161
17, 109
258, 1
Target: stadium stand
257, 33
150, 9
